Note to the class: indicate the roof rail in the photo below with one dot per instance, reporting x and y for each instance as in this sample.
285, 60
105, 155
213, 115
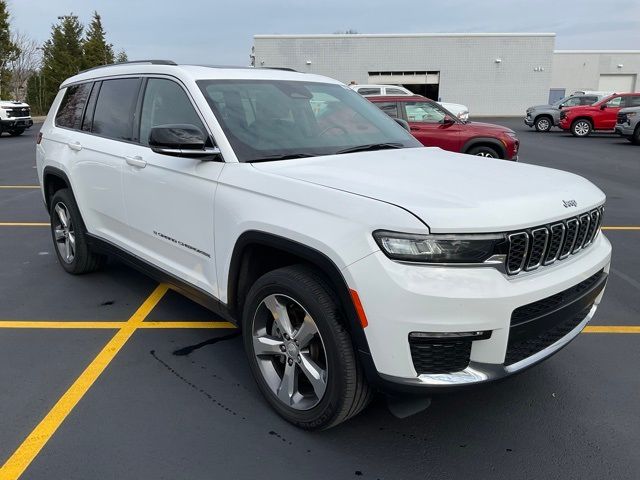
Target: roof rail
129, 62
286, 69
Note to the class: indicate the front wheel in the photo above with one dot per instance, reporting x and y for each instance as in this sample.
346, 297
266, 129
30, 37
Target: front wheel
581, 128
483, 151
300, 354
543, 124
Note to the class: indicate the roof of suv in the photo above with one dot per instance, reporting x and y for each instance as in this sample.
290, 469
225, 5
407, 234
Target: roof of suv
398, 98
196, 72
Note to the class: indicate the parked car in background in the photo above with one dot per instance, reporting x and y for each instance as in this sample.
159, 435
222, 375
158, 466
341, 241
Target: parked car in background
434, 126
458, 110
15, 117
628, 124
602, 115
544, 117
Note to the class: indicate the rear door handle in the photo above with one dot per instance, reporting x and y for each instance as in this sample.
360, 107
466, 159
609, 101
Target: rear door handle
76, 146
136, 161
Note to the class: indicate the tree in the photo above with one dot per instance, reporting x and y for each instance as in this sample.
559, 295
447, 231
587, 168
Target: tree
8, 49
96, 49
24, 64
62, 55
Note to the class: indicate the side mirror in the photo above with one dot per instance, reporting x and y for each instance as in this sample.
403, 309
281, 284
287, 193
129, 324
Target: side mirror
180, 140
448, 121
603, 106
561, 106
403, 123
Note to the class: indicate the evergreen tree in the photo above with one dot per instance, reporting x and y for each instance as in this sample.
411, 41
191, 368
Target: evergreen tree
62, 55
96, 49
8, 49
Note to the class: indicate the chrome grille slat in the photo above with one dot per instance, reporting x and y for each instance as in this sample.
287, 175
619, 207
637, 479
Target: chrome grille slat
539, 241
543, 245
555, 243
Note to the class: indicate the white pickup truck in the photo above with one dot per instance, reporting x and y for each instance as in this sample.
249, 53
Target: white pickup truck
15, 117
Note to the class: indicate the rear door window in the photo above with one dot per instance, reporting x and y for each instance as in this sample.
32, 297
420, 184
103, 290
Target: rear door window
115, 107
71, 108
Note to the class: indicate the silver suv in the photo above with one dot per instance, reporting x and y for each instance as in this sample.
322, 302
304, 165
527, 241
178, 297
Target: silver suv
628, 124
543, 117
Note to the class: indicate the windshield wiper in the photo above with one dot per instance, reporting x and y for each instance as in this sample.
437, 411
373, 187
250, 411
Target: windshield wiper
288, 156
370, 147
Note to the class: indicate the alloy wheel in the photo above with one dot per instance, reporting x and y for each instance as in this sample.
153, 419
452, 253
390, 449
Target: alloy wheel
64, 233
543, 125
582, 128
484, 154
290, 352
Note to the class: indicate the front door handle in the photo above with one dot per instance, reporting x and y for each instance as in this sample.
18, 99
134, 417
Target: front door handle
76, 146
136, 161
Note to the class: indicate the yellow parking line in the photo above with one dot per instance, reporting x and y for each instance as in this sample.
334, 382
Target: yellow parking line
612, 329
194, 325
24, 224
18, 187
29, 449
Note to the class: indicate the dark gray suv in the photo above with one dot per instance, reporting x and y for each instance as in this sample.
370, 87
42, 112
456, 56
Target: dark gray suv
543, 117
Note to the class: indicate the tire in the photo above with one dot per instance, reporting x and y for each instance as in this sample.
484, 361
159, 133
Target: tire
543, 124
636, 136
17, 132
76, 259
301, 293
484, 151
581, 127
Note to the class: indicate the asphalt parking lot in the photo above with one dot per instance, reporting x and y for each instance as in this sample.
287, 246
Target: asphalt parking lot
108, 376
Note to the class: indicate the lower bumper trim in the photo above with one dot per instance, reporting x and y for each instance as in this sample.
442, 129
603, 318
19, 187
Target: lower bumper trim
478, 372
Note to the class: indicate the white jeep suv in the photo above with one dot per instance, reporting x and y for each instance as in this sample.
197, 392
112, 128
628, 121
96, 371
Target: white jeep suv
15, 117
352, 258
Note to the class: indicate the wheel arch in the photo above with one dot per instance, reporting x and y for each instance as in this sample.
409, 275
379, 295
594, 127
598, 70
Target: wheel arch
485, 142
257, 252
54, 179
546, 115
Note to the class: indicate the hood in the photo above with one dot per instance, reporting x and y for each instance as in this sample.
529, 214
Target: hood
10, 103
482, 127
449, 192
542, 107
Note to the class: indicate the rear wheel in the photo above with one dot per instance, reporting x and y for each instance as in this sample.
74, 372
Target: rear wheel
543, 124
581, 127
484, 151
69, 236
16, 132
300, 354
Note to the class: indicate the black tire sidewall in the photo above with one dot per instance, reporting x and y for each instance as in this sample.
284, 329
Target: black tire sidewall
324, 316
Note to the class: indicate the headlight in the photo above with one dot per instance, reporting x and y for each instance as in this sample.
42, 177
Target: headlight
438, 248
631, 114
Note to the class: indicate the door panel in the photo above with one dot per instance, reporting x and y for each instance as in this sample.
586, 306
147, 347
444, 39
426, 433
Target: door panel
170, 199
606, 119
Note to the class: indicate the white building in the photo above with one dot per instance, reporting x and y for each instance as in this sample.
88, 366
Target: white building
492, 73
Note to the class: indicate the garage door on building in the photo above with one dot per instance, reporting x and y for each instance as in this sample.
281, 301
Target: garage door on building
617, 83
420, 82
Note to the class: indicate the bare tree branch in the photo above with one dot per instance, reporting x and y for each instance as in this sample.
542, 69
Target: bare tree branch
24, 64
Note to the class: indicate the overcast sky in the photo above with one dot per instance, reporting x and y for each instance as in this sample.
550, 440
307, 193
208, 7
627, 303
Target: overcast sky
221, 32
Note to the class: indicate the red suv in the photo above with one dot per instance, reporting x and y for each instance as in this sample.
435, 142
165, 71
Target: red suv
583, 120
434, 126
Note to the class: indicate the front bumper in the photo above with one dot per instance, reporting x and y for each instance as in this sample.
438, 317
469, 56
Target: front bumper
8, 124
528, 121
624, 130
399, 299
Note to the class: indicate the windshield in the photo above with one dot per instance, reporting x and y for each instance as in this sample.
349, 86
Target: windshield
274, 119
562, 100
